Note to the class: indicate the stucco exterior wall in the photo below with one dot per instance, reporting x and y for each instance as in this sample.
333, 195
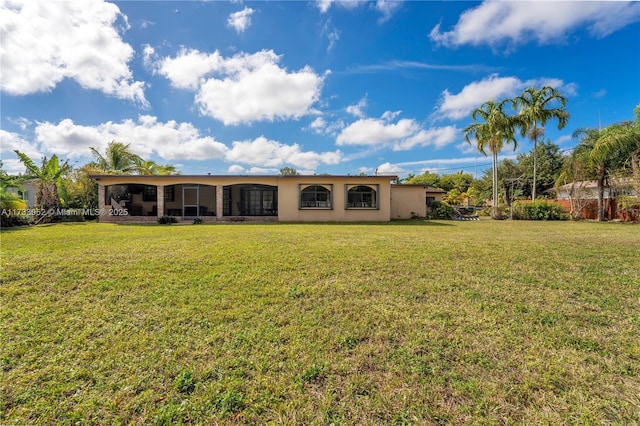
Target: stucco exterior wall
407, 201
410, 200
288, 202
289, 209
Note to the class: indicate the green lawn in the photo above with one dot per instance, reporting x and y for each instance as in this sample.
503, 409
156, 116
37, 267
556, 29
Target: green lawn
419, 322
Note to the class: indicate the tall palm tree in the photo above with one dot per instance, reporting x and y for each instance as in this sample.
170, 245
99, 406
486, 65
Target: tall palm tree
48, 177
117, 159
537, 106
495, 129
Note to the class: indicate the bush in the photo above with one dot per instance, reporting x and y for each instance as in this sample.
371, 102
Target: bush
167, 220
197, 220
442, 210
538, 210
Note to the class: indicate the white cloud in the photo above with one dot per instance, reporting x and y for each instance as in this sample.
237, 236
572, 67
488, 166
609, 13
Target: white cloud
332, 34
493, 87
240, 20
391, 169
357, 108
147, 136
322, 127
235, 168
42, 43
513, 23
269, 153
11, 141
401, 135
189, 68
244, 88
434, 136
376, 132
324, 5
386, 7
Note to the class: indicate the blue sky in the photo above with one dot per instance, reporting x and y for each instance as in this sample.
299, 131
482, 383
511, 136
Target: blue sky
339, 87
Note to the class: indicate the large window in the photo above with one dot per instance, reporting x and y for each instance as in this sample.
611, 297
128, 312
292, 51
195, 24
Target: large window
315, 196
362, 196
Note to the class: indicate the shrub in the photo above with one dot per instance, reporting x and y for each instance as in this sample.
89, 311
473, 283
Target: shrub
538, 210
442, 210
167, 220
197, 220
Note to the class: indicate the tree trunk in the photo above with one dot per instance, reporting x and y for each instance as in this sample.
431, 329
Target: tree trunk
601, 176
535, 162
494, 207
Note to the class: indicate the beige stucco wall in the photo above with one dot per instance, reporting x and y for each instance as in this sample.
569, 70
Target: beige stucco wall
288, 194
288, 200
410, 200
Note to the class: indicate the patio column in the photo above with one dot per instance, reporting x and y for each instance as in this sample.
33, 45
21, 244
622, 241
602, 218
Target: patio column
101, 205
160, 199
219, 201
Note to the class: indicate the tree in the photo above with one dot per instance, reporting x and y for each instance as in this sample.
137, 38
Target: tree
599, 162
81, 190
460, 181
117, 159
288, 171
150, 167
549, 163
427, 178
496, 129
537, 107
622, 140
48, 177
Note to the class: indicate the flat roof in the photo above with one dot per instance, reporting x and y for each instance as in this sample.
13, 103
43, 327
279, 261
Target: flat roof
244, 176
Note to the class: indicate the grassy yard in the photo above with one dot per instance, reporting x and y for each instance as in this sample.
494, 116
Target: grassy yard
418, 322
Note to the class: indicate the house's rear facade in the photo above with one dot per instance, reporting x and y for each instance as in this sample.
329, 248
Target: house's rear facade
324, 198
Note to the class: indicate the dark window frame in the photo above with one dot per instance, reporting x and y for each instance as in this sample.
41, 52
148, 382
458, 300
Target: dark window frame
362, 197
316, 199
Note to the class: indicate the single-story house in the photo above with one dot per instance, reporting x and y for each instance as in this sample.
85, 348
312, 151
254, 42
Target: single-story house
581, 197
301, 198
27, 192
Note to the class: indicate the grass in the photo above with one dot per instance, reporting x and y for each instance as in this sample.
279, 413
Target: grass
404, 323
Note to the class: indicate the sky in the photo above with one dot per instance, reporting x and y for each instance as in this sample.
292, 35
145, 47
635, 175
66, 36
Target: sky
338, 87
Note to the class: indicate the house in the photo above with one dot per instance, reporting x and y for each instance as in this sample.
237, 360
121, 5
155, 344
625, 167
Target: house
323, 198
27, 192
409, 201
581, 197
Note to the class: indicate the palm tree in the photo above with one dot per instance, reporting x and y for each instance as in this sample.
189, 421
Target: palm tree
48, 177
117, 159
537, 107
491, 134
623, 140
150, 167
599, 162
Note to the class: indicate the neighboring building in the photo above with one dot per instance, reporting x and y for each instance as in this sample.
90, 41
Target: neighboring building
581, 198
323, 198
27, 193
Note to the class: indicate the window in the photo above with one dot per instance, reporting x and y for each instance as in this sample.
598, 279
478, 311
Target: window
24, 195
361, 196
430, 201
169, 193
315, 196
149, 193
